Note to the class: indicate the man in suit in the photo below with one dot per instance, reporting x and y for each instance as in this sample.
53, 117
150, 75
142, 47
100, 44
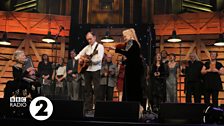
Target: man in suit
73, 84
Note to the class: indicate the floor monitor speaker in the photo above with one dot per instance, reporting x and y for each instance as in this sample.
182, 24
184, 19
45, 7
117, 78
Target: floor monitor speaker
185, 113
117, 111
67, 110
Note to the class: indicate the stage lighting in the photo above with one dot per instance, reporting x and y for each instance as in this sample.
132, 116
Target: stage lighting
4, 40
174, 37
107, 37
48, 38
220, 40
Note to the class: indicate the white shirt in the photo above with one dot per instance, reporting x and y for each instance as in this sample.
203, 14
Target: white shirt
61, 71
96, 59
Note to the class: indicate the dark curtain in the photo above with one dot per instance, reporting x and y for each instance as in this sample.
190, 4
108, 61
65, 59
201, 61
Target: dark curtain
78, 31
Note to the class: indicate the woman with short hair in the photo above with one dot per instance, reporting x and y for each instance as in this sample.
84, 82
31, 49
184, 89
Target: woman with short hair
24, 87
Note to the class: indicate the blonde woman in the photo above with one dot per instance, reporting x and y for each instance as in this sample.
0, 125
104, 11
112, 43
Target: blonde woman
132, 90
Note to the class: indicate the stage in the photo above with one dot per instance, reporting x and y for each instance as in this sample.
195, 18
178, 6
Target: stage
86, 122
68, 113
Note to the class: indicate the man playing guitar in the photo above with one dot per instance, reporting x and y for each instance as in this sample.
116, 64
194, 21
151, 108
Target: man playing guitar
95, 52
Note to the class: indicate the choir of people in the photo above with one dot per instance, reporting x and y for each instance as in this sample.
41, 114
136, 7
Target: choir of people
133, 78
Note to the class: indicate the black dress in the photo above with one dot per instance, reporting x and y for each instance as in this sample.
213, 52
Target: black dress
193, 81
213, 84
45, 69
158, 85
132, 90
23, 87
212, 79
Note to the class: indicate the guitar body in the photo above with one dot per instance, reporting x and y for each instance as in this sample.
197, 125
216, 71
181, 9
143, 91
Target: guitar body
85, 61
83, 64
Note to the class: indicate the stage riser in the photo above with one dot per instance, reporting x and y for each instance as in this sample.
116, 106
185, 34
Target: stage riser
182, 113
117, 111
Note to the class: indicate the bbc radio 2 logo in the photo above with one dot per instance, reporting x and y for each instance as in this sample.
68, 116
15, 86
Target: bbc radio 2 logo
18, 102
41, 108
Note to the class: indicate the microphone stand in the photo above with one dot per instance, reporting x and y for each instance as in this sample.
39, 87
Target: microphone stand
149, 45
107, 79
54, 46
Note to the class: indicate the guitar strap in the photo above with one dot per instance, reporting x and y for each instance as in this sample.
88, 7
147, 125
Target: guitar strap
95, 48
94, 51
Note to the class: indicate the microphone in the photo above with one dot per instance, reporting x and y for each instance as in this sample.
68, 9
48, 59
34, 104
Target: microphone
61, 27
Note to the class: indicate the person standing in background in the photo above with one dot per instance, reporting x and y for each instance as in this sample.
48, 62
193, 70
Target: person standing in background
60, 77
164, 56
73, 77
45, 71
171, 80
158, 77
193, 78
120, 78
108, 78
213, 84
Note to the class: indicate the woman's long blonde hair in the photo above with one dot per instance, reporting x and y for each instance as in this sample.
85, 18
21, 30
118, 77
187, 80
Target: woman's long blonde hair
131, 32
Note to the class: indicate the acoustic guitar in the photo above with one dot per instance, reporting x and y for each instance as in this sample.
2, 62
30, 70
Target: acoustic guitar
85, 62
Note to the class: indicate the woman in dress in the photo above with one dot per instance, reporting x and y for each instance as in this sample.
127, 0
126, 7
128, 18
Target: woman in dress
171, 80
158, 75
132, 89
120, 79
212, 70
60, 77
45, 70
